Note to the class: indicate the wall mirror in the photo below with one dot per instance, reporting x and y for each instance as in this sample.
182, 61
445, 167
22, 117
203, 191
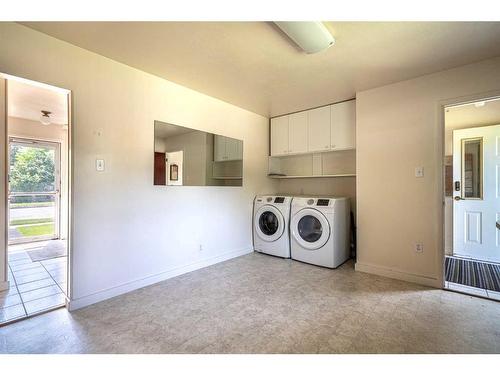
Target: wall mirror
189, 157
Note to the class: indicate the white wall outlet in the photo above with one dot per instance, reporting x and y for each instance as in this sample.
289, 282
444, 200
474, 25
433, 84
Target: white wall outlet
99, 165
419, 248
419, 172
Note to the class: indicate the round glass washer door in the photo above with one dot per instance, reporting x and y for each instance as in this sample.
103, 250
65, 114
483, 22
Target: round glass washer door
310, 229
269, 223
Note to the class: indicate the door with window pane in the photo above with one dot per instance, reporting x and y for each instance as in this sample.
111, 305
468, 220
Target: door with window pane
476, 193
34, 190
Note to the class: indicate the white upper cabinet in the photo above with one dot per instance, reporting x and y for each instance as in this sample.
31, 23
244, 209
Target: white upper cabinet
297, 133
219, 148
279, 135
319, 129
343, 125
239, 150
232, 152
326, 128
226, 148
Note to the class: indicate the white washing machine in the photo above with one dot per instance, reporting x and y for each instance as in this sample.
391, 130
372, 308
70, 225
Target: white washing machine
320, 230
271, 217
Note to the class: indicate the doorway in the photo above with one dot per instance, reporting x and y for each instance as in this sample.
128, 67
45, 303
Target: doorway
37, 199
472, 198
34, 190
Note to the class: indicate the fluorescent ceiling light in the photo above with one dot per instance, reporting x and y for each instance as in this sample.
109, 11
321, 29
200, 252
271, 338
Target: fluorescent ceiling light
479, 104
312, 37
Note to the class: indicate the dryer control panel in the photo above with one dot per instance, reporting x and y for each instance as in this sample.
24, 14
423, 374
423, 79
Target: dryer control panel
323, 202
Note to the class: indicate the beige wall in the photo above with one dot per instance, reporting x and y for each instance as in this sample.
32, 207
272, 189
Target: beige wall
398, 128
339, 162
23, 128
126, 232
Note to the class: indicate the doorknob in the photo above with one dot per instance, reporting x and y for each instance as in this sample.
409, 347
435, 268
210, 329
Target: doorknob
458, 198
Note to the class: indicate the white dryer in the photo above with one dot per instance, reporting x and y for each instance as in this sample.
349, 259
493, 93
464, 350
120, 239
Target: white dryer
320, 230
271, 217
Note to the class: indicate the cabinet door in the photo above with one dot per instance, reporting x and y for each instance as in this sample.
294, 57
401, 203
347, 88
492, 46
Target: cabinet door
319, 129
343, 131
219, 148
279, 136
232, 149
239, 147
297, 133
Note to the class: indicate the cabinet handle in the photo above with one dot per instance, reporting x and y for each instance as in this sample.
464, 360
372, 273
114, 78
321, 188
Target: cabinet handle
327, 146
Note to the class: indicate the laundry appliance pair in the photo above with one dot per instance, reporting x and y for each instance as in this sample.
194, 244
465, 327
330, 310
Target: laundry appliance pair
313, 230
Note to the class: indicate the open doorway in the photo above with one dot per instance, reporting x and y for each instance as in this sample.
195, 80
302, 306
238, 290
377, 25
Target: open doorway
472, 198
37, 199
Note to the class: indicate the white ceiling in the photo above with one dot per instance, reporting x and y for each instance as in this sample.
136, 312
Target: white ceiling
27, 101
469, 116
164, 130
255, 66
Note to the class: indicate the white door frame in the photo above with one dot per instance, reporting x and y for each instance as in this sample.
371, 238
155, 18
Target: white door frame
440, 171
69, 179
57, 184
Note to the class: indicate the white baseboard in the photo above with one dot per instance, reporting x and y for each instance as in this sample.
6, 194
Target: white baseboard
4, 285
153, 279
399, 275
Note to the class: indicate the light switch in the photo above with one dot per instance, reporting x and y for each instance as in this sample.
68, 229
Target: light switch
99, 165
419, 172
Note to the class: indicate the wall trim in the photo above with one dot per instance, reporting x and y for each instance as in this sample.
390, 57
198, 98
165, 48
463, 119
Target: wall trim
399, 275
4, 285
153, 279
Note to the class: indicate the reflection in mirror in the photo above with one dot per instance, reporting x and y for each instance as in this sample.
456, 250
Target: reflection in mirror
472, 168
189, 157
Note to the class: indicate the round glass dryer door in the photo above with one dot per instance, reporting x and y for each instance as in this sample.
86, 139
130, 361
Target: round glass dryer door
310, 229
269, 223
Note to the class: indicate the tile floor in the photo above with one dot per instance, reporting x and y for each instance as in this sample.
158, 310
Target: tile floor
35, 286
261, 304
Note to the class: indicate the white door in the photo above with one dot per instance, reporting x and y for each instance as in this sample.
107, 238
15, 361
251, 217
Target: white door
343, 131
219, 148
476, 183
297, 133
174, 167
319, 129
279, 136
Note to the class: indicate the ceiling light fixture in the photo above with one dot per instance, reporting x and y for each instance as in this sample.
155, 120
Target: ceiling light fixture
45, 117
312, 37
479, 104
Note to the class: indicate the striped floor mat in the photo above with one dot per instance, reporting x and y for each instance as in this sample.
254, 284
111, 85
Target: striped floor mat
473, 273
